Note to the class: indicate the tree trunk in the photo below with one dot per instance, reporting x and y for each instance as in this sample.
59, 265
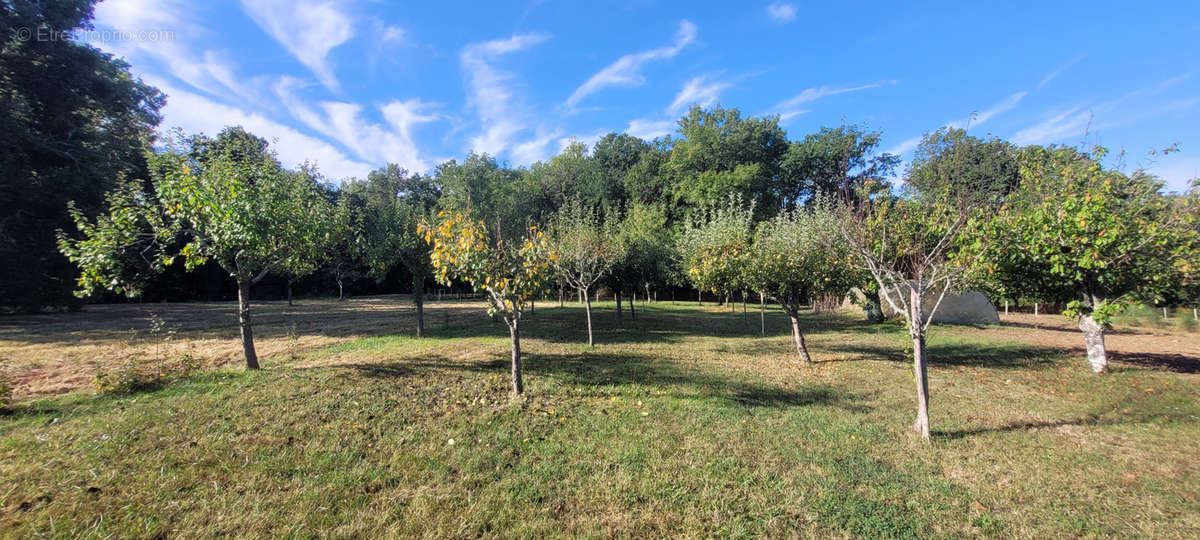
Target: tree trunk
587, 308
341, 291
244, 324
289, 292
762, 313
647, 293
922, 379
419, 298
561, 300
874, 307
801, 349
518, 386
632, 311
1093, 337
699, 297
617, 297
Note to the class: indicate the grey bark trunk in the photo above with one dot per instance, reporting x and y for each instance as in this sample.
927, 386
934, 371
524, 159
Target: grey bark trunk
244, 324
587, 308
762, 314
518, 385
341, 291
289, 292
922, 379
1093, 337
801, 348
699, 297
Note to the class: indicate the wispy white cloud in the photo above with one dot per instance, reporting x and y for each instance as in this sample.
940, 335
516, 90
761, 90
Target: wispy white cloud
650, 129
978, 118
702, 90
489, 91
975, 120
208, 71
1053, 74
370, 141
781, 12
536, 149
794, 105
1071, 122
308, 29
195, 113
626, 71
904, 147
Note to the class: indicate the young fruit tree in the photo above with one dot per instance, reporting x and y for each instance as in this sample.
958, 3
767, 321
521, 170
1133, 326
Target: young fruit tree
910, 242
714, 247
345, 246
1097, 238
226, 199
510, 273
395, 202
585, 249
798, 255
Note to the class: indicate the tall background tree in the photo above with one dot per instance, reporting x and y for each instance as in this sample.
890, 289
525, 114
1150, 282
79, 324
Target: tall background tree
75, 126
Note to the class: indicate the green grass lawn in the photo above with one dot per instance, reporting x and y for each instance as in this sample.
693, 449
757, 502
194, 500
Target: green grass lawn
686, 422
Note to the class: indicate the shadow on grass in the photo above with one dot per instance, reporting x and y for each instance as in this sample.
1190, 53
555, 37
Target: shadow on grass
1069, 330
1171, 362
1007, 356
1084, 420
616, 370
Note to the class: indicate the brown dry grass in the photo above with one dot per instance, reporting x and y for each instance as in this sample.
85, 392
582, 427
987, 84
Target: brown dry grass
51, 354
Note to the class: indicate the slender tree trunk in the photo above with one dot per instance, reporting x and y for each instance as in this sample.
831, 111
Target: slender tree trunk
801, 348
289, 292
581, 294
762, 313
1093, 337
699, 297
632, 311
561, 300
518, 385
419, 298
617, 297
916, 330
341, 291
743, 302
647, 293
244, 324
587, 308
922, 379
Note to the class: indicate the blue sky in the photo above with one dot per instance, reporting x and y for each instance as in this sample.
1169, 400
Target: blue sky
352, 85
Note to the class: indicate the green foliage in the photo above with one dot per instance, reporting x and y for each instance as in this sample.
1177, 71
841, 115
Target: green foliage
714, 247
510, 273
225, 199
75, 125
1095, 237
833, 162
799, 255
720, 153
395, 202
586, 246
